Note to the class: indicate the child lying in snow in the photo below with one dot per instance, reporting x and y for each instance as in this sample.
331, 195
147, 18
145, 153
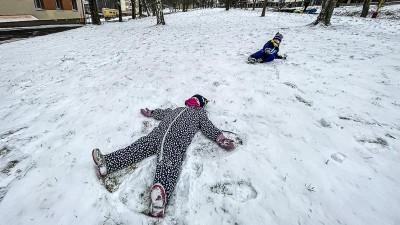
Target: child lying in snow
169, 142
269, 51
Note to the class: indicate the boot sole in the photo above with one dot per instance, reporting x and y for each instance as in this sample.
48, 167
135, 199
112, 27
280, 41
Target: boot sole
163, 196
93, 152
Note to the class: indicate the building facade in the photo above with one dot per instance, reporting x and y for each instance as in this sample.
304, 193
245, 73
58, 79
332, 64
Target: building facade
52, 11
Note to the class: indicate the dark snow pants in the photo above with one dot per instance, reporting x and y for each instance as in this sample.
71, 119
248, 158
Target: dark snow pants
261, 55
168, 164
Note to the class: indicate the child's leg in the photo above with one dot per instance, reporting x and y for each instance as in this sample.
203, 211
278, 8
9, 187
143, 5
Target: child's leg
257, 55
142, 148
167, 171
268, 58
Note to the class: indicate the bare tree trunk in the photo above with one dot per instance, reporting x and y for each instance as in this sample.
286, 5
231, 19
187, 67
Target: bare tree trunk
153, 9
227, 2
140, 8
254, 4
264, 8
133, 9
146, 7
365, 8
306, 4
326, 12
160, 13
118, 3
94, 13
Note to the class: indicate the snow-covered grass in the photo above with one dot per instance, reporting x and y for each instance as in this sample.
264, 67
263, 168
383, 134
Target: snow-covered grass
320, 130
386, 11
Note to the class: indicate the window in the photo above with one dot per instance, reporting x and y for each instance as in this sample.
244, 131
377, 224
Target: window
38, 4
74, 5
58, 4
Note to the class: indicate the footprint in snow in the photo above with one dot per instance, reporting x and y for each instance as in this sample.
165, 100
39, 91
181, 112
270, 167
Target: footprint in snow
324, 123
7, 169
290, 85
3, 192
338, 157
301, 99
11, 132
240, 191
378, 141
293, 86
4, 151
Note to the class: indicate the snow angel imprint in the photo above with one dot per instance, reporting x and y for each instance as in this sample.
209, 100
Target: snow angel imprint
169, 141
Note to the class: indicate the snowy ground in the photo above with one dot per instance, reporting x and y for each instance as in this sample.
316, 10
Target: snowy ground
386, 12
320, 130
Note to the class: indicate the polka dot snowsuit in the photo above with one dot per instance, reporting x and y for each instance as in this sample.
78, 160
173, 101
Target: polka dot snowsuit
169, 141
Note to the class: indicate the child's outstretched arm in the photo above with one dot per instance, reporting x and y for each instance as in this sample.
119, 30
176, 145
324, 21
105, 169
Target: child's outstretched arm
212, 132
157, 114
207, 127
281, 56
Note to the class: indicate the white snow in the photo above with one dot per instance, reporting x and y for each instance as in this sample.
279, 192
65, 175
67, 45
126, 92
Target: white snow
39, 27
385, 12
320, 131
4, 19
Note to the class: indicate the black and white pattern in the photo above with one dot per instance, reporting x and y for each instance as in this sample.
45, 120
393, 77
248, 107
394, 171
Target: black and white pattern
169, 141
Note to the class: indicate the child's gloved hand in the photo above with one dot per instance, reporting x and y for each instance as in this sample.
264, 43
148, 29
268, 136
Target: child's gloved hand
284, 56
267, 51
146, 112
225, 143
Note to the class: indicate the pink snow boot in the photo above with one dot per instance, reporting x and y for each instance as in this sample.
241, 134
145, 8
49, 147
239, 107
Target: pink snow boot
98, 159
157, 195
